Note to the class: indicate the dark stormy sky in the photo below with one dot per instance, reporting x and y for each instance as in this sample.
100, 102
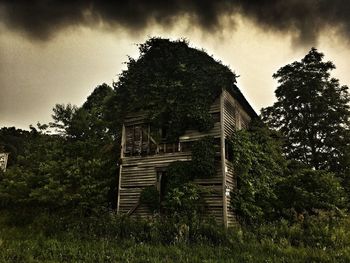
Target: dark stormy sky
57, 51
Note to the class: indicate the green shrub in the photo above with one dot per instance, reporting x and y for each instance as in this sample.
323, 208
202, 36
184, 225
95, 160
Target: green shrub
185, 200
325, 230
150, 197
15, 188
310, 191
178, 174
181, 195
209, 231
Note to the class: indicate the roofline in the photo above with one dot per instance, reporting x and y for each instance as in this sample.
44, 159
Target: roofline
237, 94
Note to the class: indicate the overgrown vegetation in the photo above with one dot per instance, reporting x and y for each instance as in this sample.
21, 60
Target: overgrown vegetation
299, 168
174, 83
271, 187
203, 157
181, 196
150, 196
313, 113
310, 191
260, 166
72, 171
122, 239
292, 194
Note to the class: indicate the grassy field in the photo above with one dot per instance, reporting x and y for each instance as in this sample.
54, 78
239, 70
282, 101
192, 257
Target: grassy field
29, 244
18, 247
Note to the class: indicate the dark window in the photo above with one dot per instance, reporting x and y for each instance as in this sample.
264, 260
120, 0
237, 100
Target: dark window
186, 146
164, 133
137, 140
216, 116
228, 150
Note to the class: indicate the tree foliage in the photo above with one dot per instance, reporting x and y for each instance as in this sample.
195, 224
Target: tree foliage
312, 112
185, 200
12, 140
270, 187
74, 170
86, 122
309, 191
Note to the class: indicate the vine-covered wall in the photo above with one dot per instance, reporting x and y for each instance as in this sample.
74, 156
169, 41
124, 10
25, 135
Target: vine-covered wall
181, 195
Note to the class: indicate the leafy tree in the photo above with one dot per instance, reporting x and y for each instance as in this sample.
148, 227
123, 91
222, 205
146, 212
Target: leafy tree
270, 187
88, 121
74, 170
93, 112
12, 140
312, 112
62, 118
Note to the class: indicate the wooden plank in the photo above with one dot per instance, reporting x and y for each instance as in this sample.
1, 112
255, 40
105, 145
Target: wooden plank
191, 135
120, 167
170, 156
222, 139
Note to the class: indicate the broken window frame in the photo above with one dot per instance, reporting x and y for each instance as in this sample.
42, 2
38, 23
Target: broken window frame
137, 134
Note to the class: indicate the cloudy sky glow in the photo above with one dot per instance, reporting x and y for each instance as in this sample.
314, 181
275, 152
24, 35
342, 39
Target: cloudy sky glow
42, 64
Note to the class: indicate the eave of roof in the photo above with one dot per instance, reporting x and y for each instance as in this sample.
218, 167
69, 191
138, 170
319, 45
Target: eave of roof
237, 94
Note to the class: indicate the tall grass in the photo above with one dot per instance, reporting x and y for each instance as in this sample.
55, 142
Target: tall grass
115, 239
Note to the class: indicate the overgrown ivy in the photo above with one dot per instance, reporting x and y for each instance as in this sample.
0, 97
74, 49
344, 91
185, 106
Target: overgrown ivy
181, 194
174, 83
178, 174
203, 157
150, 197
259, 165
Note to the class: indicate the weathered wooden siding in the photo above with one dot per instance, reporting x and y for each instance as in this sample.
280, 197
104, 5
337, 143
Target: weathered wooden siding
230, 185
230, 113
234, 114
3, 161
139, 172
213, 193
234, 118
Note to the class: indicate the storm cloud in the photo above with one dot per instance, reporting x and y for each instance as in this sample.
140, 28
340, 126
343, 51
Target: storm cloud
305, 19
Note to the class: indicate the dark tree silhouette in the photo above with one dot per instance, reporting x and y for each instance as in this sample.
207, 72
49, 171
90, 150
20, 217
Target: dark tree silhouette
312, 112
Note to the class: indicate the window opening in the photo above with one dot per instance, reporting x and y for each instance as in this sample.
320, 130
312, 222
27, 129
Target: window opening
142, 140
162, 181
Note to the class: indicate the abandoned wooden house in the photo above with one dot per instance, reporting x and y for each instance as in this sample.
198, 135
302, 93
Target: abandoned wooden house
144, 161
3, 161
